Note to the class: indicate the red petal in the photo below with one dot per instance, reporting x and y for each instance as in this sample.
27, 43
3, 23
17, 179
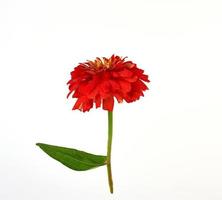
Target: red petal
125, 86
129, 64
108, 104
87, 105
131, 79
77, 72
125, 73
98, 101
141, 85
93, 93
86, 87
69, 94
76, 94
78, 104
72, 88
114, 85
104, 89
119, 97
144, 77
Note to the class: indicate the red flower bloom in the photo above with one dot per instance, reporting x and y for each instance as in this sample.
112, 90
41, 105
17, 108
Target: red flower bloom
101, 80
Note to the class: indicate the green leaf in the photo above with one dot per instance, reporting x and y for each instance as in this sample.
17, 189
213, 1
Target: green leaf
72, 158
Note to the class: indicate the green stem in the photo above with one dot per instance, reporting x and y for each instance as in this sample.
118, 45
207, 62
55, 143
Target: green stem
109, 148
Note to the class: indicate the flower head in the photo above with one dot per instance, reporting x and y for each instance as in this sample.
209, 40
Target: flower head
100, 81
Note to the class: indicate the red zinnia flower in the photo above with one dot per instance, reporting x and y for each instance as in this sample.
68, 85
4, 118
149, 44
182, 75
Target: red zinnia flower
101, 80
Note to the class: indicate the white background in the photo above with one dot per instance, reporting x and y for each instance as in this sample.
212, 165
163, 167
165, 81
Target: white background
167, 146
